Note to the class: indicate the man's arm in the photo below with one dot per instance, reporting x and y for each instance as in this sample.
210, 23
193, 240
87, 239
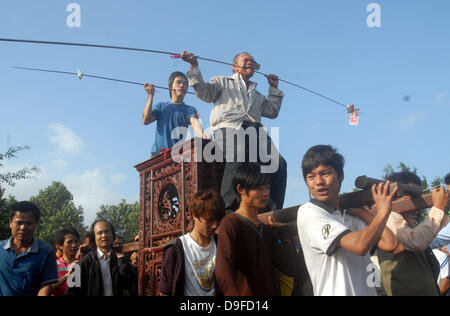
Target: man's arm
46, 290
226, 258
420, 237
207, 92
168, 267
197, 127
444, 286
362, 241
147, 116
271, 107
388, 242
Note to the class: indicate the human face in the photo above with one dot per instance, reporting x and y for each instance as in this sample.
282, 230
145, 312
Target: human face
255, 198
245, 65
179, 88
324, 184
103, 235
206, 226
70, 246
23, 225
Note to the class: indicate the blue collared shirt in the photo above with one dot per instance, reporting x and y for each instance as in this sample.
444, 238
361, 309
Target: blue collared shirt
27, 273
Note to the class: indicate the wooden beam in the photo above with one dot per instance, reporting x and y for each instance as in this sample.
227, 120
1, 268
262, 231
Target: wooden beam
127, 248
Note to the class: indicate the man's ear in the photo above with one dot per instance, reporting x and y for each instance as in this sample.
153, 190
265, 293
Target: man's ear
240, 190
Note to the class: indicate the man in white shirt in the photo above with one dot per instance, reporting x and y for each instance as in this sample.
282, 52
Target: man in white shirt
236, 122
335, 243
189, 262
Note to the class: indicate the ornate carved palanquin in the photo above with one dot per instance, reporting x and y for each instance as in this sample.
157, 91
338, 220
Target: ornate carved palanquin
167, 183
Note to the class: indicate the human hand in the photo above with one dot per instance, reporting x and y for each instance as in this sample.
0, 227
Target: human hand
273, 80
440, 198
190, 58
270, 220
382, 199
149, 88
206, 136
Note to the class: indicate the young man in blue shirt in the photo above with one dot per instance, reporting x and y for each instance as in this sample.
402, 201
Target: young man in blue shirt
171, 115
27, 265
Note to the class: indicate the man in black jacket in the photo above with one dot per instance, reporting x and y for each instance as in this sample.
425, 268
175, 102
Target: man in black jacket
102, 272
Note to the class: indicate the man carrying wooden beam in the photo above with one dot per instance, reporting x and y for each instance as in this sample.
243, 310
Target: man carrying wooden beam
412, 270
335, 243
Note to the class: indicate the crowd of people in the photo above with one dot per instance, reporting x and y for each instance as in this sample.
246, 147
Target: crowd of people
229, 251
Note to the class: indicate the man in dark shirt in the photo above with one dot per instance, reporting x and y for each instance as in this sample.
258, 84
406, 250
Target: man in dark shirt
247, 249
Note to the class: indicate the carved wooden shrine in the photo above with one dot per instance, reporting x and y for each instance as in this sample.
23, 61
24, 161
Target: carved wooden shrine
167, 183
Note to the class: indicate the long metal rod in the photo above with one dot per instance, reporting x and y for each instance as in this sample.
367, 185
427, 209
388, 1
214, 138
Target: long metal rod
159, 52
91, 76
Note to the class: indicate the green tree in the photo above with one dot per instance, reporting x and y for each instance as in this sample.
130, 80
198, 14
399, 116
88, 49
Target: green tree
124, 217
5, 232
10, 178
57, 211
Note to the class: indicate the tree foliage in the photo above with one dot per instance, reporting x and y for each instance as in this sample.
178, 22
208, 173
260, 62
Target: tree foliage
57, 211
10, 178
124, 217
4, 212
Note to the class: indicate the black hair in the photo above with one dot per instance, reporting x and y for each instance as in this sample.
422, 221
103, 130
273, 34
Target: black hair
61, 235
172, 77
24, 207
322, 155
250, 177
98, 220
447, 179
405, 177
85, 235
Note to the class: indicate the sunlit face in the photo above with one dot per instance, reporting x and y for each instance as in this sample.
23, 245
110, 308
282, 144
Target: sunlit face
206, 226
179, 87
245, 65
23, 225
255, 198
324, 184
70, 245
103, 235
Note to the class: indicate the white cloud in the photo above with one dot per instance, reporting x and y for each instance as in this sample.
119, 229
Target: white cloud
59, 164
89, 190
117, 178
66, 140
410, 120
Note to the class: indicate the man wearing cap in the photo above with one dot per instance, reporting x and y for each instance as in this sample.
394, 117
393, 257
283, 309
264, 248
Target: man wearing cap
238, 109
172, 115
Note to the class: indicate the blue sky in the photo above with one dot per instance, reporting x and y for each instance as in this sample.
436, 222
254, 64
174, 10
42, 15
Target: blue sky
88, 134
